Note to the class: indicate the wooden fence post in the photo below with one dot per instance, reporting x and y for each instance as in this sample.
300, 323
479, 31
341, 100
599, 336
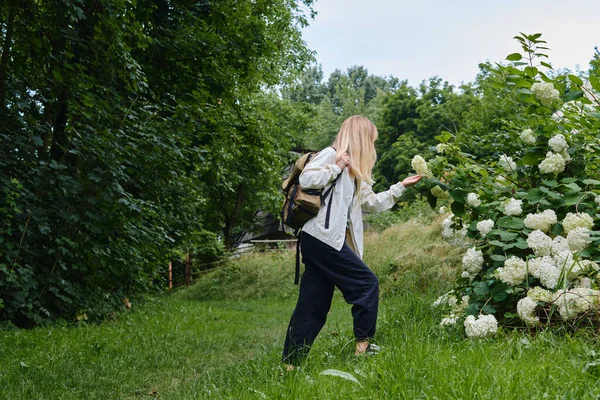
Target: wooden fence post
188, 274
170, 275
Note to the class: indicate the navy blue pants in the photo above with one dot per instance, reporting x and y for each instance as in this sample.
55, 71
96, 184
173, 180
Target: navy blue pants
325, 269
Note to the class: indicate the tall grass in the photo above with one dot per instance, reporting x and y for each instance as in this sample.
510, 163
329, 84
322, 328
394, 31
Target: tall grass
222, 339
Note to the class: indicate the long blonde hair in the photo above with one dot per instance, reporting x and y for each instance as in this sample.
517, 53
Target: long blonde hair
357, 138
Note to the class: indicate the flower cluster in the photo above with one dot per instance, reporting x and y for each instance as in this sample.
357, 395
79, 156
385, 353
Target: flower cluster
484, 325
442, 147
553, 164
472, 262
578, 239
558, 143
513, 207
542, 221
580, 220
526, 310
420, 166
473, 200
545, 92
540, 243
507, 163
456, 237
514, 271
484, 227
575, 301
527, 136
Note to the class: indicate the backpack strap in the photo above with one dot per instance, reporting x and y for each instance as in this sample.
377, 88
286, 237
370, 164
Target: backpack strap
329, 192
297, 273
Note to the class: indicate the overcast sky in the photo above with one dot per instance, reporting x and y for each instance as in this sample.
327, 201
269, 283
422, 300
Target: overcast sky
419, 39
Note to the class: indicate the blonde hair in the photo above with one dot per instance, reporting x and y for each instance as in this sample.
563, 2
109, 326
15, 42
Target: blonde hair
357, 138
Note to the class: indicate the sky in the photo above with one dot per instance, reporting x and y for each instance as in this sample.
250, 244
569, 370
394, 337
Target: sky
418, 39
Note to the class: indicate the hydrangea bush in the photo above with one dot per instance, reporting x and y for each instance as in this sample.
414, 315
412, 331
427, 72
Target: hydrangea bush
527, 218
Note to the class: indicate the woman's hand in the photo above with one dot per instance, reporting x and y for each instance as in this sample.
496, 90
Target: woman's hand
411, 180
343, 161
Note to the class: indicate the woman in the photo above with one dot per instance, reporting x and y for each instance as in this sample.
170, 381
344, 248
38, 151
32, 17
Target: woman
332, 246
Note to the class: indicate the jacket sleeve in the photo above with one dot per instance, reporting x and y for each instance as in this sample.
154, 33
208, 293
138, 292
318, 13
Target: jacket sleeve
320, 171
377, 202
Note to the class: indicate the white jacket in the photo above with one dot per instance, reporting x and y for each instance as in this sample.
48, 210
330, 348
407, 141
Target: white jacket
318, 174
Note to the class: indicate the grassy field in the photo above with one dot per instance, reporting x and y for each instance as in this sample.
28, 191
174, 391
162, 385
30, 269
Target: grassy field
222, 338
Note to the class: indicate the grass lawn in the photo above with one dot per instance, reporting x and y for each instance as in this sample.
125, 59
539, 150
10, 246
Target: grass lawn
223, 337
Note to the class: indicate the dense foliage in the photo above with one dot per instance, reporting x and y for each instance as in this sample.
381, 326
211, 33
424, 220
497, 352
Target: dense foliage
129, 129
528, 214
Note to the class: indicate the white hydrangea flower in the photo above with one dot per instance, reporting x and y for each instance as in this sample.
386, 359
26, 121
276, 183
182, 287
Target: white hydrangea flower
513, 207
420, 166
548, 274
575, 301
507, 163
533, 264
581, 220
442, 147
578, 239
539, 294
527, 136
539, 242
597, 200
443, 299
558, 143
559, 244
564, 260
484, 325
465, 274
473, 200
579, 267
449, 321
484, 227
514, 271
542, 221
565, 155
584, 282
552, 164
456, 237
443, 210
526, 310
545, 92
472, 261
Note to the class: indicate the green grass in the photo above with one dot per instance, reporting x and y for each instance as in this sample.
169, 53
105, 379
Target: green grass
222, 338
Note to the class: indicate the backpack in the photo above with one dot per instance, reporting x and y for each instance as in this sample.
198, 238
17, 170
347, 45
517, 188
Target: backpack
300, 205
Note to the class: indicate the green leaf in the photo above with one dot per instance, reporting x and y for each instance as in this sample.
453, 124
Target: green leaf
572, 95
472, 309
591, 182
457, 208
508, 236
550, 183
458, 195
488, 309
498, 257
532, 159
571, 198
534, 195
575, 79
514, 57
595, 82
501, 296
511, 223
480, 288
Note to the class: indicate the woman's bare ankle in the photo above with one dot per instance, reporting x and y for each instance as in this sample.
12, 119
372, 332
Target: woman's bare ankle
361, 347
